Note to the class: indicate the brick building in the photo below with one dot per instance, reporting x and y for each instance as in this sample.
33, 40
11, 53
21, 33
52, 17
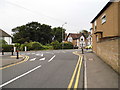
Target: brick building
106, 34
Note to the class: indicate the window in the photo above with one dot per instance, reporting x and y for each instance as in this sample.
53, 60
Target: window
69, 39
97, 39
103, 19
95, 25
81, 39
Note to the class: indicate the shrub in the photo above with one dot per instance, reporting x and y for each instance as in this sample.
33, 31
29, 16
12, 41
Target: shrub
17, 45
36, 46
22, 47
7, 48
47, 47
32, 46
3, 42
56, 45
67, 45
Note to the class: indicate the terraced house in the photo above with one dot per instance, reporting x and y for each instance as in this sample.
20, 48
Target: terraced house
106, 34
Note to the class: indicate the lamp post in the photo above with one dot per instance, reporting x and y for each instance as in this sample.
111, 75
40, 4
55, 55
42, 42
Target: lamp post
63, 35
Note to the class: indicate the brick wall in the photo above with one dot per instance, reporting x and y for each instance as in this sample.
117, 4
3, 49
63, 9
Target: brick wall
109, 52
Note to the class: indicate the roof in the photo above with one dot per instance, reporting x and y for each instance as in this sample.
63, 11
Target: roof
4, 34
106, 6
75, 35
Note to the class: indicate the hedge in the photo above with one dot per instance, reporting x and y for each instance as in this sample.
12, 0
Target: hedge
7, 48
66, 45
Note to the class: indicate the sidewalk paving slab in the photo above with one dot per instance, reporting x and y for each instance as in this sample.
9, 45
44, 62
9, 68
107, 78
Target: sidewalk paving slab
99, 74
8, 59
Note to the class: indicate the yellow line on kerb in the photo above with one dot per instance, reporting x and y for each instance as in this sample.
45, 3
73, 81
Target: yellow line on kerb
26, 58
76, 71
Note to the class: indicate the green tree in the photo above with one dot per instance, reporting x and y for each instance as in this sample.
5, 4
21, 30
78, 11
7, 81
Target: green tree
57, 33
85, 32
33, 31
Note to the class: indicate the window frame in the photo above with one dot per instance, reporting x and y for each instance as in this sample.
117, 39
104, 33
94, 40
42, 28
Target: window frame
95, 25
103, 19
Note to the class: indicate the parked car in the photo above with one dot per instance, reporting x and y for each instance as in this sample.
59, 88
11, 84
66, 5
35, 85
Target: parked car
88, 47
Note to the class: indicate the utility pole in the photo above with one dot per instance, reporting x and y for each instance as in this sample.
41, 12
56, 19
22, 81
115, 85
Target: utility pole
63, 35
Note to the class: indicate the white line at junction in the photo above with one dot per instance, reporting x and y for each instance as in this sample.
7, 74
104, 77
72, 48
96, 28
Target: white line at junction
52, 58
12, 80
42, 59
33, 59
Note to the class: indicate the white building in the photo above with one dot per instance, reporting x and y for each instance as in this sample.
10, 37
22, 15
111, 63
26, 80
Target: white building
5, 36
89, 40
78, 39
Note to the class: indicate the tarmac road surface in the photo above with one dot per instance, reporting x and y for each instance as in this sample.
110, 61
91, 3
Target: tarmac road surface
45, 69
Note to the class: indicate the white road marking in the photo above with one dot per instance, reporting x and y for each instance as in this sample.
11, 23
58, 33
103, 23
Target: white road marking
37, 54
33, 59
52, 58
41, 55
12, 80
42, 59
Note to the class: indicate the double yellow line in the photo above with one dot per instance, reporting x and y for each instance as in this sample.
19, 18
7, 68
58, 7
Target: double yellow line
26, 58
76, 73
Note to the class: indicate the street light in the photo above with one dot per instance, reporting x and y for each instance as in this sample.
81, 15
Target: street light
62, 35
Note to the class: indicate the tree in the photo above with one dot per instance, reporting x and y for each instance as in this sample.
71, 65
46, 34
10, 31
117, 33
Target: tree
33, 31
57, 33
85, 32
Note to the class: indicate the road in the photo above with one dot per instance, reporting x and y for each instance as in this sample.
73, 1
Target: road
44, 69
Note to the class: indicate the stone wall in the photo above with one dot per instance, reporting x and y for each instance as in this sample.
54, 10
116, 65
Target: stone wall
109, 52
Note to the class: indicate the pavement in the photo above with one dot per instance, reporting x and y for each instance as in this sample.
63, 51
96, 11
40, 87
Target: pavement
54, 69
98, 73
8, 59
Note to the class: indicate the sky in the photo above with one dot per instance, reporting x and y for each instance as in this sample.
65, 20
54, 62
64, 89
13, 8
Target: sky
76, 13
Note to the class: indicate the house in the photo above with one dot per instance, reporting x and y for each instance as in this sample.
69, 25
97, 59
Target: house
89, 40
5, 36
78, 39
106, 34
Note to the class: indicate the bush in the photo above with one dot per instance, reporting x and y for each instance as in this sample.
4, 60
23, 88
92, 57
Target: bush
22, 47
47, 47
67, 45
32, 46
7, 48
36, 46
3, 42
56, 45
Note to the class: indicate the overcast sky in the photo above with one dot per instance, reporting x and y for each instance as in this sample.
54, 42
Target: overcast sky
77, 13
